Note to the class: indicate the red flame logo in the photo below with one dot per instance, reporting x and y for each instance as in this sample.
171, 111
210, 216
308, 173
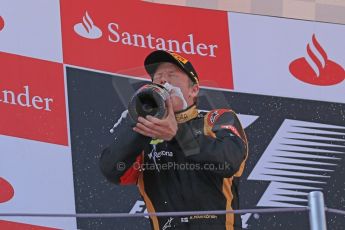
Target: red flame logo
316, 68
2, 23
6, 190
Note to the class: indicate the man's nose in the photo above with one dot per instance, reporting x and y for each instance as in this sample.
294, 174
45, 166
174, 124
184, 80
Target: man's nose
163, 80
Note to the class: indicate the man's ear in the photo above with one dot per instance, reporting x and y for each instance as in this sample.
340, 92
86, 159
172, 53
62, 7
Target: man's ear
195, 90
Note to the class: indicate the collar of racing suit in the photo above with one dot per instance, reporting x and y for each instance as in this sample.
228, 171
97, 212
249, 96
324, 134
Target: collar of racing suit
187, 114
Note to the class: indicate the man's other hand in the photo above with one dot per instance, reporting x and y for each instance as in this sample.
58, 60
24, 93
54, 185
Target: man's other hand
164, 129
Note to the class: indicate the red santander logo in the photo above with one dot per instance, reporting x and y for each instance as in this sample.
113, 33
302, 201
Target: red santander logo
2, 23
116, 41
317, 68
87, 28
6, 191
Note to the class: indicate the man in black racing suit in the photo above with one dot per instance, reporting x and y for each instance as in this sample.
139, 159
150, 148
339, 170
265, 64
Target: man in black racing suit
187, 161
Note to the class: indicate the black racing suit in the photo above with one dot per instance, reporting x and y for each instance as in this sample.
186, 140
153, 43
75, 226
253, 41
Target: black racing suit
198, 170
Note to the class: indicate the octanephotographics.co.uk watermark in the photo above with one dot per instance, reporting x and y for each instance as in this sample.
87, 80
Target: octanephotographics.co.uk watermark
185, 166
